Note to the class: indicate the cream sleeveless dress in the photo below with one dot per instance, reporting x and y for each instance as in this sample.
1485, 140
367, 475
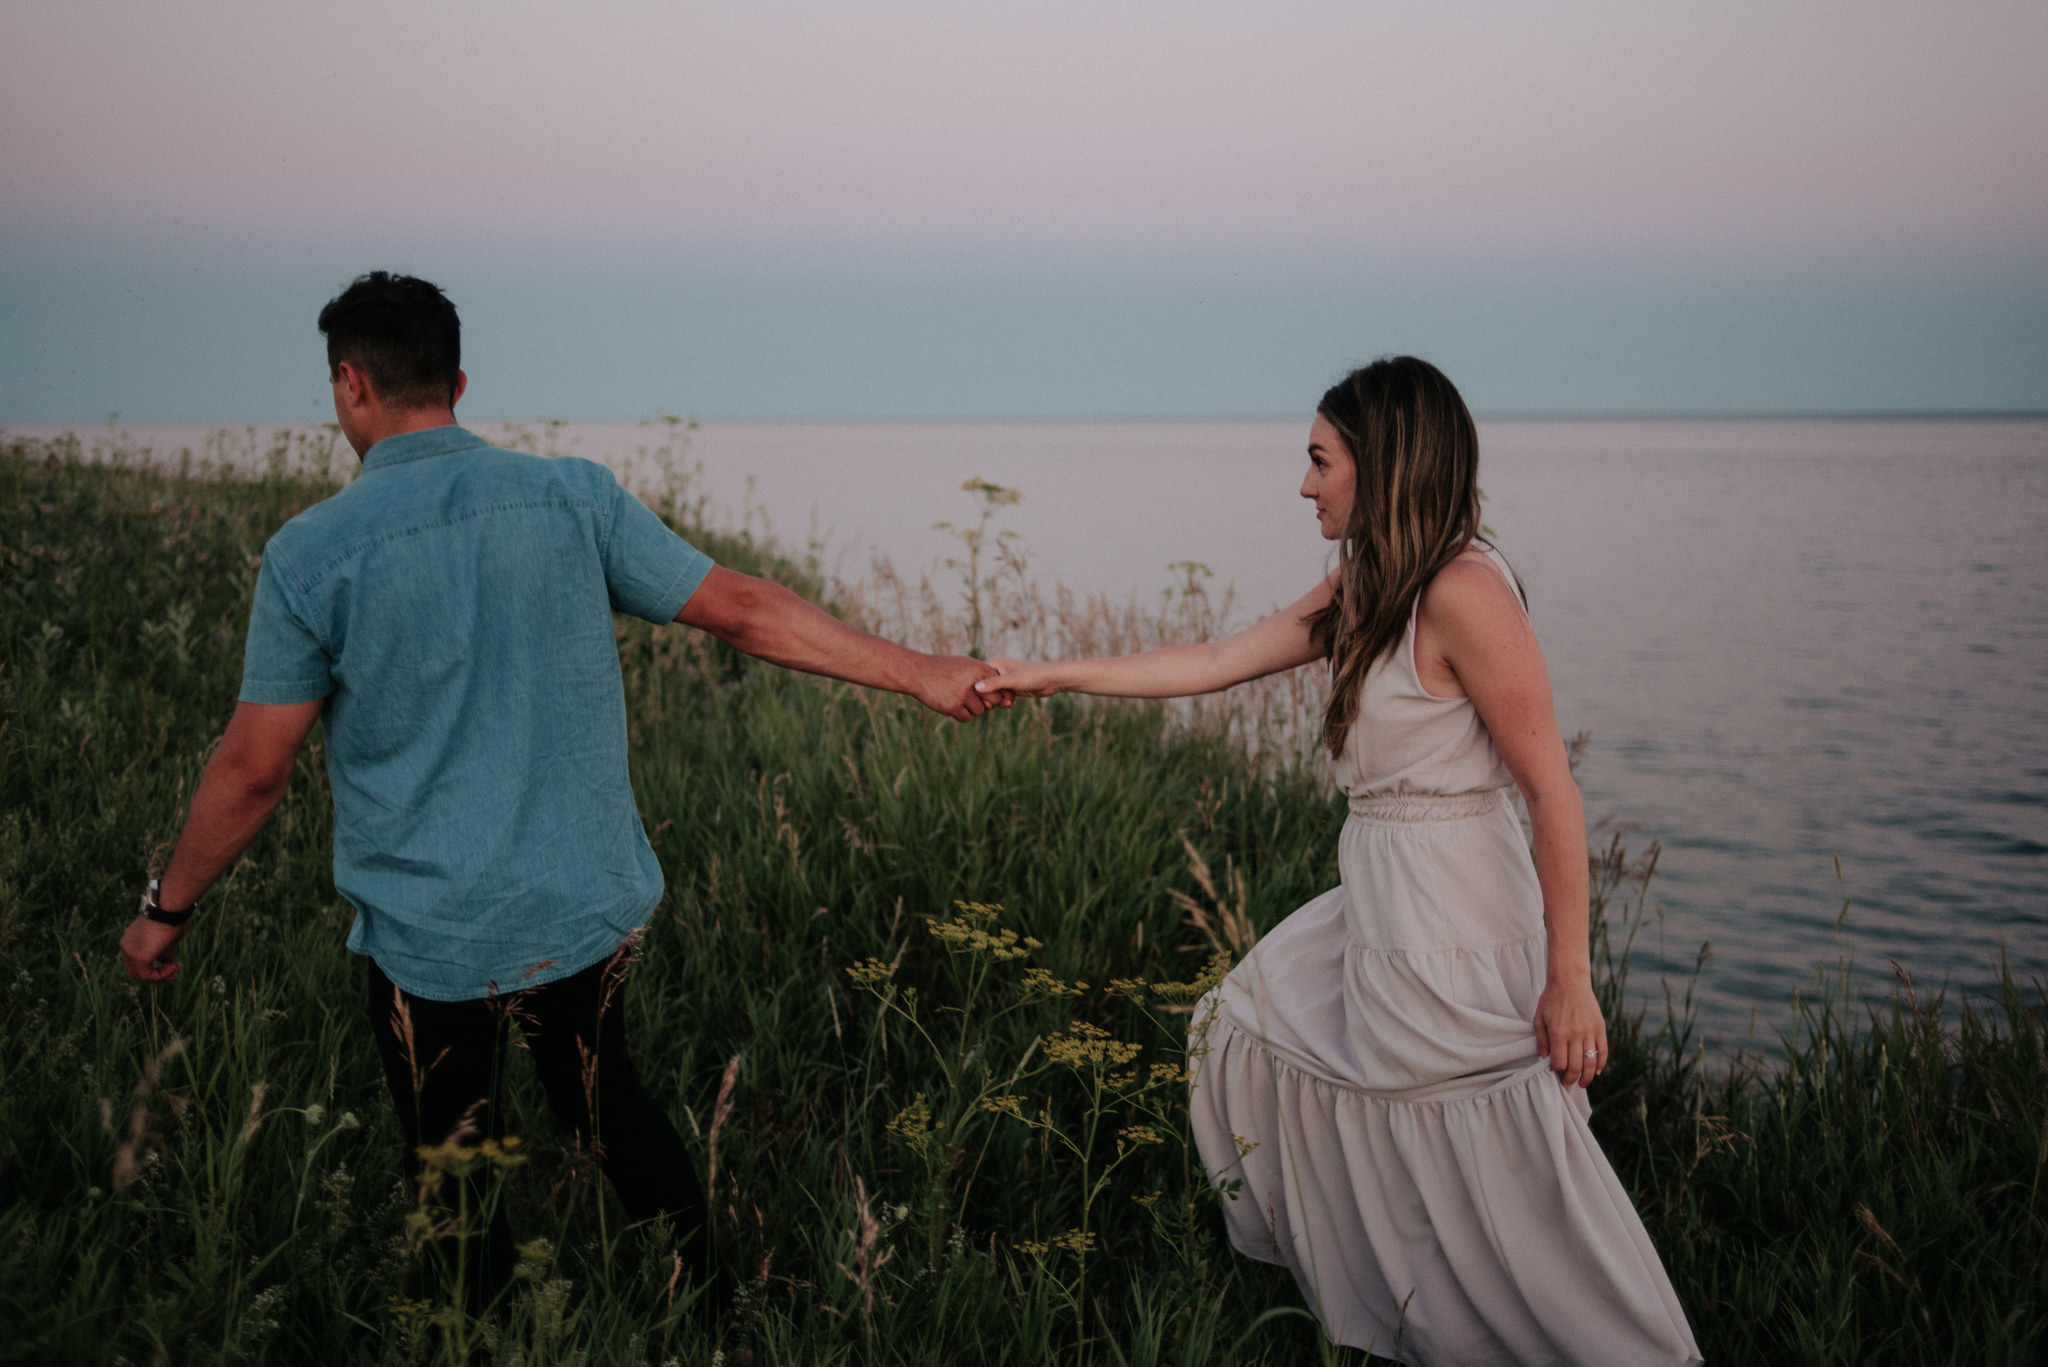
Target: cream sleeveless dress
1369, 1072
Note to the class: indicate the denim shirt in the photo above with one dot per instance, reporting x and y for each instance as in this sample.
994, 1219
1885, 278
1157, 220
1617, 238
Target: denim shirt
453, 606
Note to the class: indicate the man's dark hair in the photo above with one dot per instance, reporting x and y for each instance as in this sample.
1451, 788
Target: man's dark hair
401, 332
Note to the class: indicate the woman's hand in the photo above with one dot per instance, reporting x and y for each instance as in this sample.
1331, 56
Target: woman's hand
1015, 678
1570, 1031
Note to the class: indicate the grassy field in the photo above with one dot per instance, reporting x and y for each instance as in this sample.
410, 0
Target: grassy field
894, 994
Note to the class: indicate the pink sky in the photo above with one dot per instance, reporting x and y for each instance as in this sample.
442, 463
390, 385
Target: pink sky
1508, 126
786, 208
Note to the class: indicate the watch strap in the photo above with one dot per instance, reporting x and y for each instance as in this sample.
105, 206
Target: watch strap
155, 911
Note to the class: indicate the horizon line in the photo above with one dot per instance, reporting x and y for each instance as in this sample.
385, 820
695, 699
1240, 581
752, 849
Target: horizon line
114, 420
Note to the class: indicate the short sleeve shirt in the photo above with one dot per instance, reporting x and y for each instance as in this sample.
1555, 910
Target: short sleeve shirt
453, 607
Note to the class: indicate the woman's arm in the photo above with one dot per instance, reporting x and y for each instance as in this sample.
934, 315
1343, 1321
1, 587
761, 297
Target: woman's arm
1268, 646
1472, 626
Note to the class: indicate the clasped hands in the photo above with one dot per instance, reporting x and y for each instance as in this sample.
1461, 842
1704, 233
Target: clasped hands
963, 687
952, 684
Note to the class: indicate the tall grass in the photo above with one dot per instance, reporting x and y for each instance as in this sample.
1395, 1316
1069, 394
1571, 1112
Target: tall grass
915, 993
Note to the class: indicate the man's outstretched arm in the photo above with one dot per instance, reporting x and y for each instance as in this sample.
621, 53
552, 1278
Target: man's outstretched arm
768, 621
240, 788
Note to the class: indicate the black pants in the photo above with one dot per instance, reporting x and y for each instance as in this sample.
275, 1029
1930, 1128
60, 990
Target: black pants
449, 1075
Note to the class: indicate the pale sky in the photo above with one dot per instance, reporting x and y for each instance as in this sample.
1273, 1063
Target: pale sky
818, 210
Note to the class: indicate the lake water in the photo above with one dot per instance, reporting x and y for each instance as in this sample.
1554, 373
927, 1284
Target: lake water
1794, 641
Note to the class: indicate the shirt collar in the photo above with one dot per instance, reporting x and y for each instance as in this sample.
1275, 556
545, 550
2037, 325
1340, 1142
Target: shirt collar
428, 441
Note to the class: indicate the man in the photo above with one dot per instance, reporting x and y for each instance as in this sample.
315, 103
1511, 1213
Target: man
448, 616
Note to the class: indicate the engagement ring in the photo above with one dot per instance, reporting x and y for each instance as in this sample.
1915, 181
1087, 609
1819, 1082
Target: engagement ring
1592, 1053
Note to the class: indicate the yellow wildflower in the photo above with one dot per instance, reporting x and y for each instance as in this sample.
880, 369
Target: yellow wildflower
1166, 1073
535, 1257
915, 1127
869, 972
1038, 982
1205, 982
972, 930
1088, 1046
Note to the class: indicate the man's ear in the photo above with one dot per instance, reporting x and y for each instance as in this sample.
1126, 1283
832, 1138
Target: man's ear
355, 385
461, 387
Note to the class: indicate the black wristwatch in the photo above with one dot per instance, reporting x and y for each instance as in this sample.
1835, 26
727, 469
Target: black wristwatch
155, 911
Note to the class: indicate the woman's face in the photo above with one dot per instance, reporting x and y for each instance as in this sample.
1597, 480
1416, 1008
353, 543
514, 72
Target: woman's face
1331, 478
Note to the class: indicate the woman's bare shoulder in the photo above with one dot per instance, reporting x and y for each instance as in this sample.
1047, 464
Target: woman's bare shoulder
1470, 588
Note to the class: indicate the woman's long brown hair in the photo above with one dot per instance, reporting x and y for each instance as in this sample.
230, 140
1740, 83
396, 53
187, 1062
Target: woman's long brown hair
1414, 507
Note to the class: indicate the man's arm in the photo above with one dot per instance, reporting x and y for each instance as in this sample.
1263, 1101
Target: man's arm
240, 788
768, 621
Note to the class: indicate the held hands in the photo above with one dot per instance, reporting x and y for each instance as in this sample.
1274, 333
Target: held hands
1570, 1031
147, 949
1017, 679
948, 684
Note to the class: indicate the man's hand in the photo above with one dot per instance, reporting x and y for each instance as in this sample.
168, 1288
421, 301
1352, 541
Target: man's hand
238, 790
147, 949
945, 683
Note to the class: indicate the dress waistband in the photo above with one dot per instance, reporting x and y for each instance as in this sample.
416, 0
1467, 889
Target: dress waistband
1426, 806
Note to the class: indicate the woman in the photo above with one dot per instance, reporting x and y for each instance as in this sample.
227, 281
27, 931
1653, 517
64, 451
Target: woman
1396, 1073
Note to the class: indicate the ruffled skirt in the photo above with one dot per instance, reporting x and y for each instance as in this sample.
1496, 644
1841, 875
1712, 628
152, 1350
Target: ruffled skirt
1367, 1094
